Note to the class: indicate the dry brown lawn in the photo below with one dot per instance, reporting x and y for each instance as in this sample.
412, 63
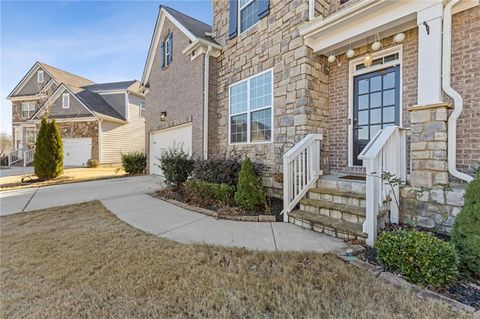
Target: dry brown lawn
80, 261
70, 175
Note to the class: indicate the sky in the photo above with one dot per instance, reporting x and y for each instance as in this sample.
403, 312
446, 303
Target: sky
104, 41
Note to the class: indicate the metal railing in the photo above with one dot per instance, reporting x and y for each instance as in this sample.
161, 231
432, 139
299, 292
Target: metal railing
386, 152
301, 169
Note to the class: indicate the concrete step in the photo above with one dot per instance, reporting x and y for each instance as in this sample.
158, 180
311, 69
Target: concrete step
336, 182
338, 196
352, 214
328, 225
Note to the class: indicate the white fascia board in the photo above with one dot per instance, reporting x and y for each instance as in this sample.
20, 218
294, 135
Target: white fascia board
27, 97
359, 21
109, 118
201, 47
73, 119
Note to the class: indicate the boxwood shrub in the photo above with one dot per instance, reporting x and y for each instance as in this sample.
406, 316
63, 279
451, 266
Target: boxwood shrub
176, 165
418, 256
250, 195
134, 163
204, 192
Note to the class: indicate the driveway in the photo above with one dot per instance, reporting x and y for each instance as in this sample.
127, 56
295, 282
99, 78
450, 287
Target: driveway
16, 170
128, 199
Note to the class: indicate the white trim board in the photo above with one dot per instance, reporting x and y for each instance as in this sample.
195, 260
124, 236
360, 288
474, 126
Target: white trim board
353, 73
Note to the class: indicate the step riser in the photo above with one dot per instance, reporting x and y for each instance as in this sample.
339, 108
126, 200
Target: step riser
323, 229
356, 202
351, 186
346, 216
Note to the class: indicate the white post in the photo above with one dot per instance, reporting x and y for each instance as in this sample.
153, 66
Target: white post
429, 23
371, 205
286, 189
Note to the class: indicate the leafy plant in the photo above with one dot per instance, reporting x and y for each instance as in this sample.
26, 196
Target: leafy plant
134, 162
418, 256
201, 191
466, 231
222, 169
249, 194
48, 158
176, 165
93, 163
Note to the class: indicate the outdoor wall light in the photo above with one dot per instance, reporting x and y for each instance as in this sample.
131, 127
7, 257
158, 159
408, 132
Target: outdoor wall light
399, 37
163, 116
367, 60
376, 45
331, 58
350, 53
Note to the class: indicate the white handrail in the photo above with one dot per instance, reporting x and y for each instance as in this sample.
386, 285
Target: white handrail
28, 156
301, 169
15, 156
386, 152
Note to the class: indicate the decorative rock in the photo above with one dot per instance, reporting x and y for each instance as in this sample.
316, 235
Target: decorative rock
266, 218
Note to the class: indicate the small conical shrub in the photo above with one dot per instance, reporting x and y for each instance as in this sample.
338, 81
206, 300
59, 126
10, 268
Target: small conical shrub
249, 194
466, 231
41, 156
48, 160
56, 149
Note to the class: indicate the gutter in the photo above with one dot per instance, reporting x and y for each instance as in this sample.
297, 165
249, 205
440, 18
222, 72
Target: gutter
456, 97
205, 101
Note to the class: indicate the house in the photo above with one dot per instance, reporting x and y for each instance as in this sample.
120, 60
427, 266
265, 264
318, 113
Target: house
96, 121
328, 95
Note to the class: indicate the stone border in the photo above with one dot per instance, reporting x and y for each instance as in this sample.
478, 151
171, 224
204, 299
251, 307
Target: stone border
211, 213
400, 282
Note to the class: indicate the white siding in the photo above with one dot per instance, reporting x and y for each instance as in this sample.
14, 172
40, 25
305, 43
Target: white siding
119, 138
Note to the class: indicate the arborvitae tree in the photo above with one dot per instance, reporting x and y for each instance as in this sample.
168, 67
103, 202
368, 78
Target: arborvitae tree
56, 149
48, 161
249, 194
41, 157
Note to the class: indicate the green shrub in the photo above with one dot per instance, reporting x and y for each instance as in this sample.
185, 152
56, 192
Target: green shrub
93, 163
199, 191
249, 194
222, 169
48, 158
134, 163
466, 231
176, 165
418, 256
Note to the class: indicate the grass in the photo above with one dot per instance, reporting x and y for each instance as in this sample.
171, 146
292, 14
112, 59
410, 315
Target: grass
70, 175
81, 261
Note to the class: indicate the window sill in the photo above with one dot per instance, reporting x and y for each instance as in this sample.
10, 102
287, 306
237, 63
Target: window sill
250, 143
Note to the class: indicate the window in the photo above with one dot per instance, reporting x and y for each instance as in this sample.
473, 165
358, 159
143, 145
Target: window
142, 108
167, 50
28, 108
30, 136
40, 76
65, 100
248, 14
251, 102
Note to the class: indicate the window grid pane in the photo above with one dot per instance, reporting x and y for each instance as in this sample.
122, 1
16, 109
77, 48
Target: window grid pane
261, 129
238, 127
260, 91
238, 98
248, 16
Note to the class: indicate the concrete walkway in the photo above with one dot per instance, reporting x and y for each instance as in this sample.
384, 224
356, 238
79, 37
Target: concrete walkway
128, 199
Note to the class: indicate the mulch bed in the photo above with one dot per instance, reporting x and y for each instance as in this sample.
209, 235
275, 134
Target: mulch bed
462, 291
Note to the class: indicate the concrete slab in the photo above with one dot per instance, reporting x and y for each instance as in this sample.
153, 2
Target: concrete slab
292, 237
249, 235
14, 201
130, 203
14, 171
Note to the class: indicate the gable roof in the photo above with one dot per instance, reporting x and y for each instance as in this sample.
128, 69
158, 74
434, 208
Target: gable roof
113, 86
94, 102
194, 29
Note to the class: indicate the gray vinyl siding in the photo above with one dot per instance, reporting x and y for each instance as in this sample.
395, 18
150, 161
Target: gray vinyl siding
135, 100
76, 108
32, 87
117, 101
117, 138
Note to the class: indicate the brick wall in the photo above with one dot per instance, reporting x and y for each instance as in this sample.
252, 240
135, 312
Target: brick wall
466, 80
300, 83
178, 90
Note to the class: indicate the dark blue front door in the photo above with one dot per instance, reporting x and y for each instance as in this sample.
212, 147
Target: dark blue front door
376, 105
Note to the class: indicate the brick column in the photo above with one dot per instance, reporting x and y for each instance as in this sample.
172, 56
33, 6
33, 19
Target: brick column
429, 145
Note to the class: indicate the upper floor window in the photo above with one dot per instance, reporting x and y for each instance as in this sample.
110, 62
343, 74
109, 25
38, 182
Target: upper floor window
65, 100
28, 109
251, 109
40, 76
167, 50
246, 13
142, 108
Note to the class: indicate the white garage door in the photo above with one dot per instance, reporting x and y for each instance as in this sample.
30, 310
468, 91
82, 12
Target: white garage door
159, 140
77, 151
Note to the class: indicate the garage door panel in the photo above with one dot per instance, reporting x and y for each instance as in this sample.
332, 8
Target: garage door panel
77, 151
164, 139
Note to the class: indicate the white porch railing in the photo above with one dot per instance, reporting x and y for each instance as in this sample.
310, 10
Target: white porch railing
28, 156
301, 169
15, 156
386, 152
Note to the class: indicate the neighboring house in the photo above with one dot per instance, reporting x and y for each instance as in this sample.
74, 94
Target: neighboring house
321, 92
96, 121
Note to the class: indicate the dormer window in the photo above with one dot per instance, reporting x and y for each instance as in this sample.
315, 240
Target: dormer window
166, 51
65, 100
40, 76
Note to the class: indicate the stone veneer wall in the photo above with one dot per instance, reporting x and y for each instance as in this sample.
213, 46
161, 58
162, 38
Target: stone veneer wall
300, 81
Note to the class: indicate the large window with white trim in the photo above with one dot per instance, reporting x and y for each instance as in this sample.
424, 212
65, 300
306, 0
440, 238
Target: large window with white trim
251, 109
28, 108
248, 14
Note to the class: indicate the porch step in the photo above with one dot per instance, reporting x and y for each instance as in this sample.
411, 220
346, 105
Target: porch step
352, 214
338, 192
328, 225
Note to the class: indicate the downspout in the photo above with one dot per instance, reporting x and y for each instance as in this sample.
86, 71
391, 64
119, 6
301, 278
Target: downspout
205, 102
447, 88
311, 9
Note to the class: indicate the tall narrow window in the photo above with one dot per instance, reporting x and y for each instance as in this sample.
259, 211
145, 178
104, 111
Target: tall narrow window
40, 76
66, 100
169, 48
251, 109
28, 108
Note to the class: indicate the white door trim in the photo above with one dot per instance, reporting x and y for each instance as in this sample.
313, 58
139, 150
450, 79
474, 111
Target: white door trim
353, 73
